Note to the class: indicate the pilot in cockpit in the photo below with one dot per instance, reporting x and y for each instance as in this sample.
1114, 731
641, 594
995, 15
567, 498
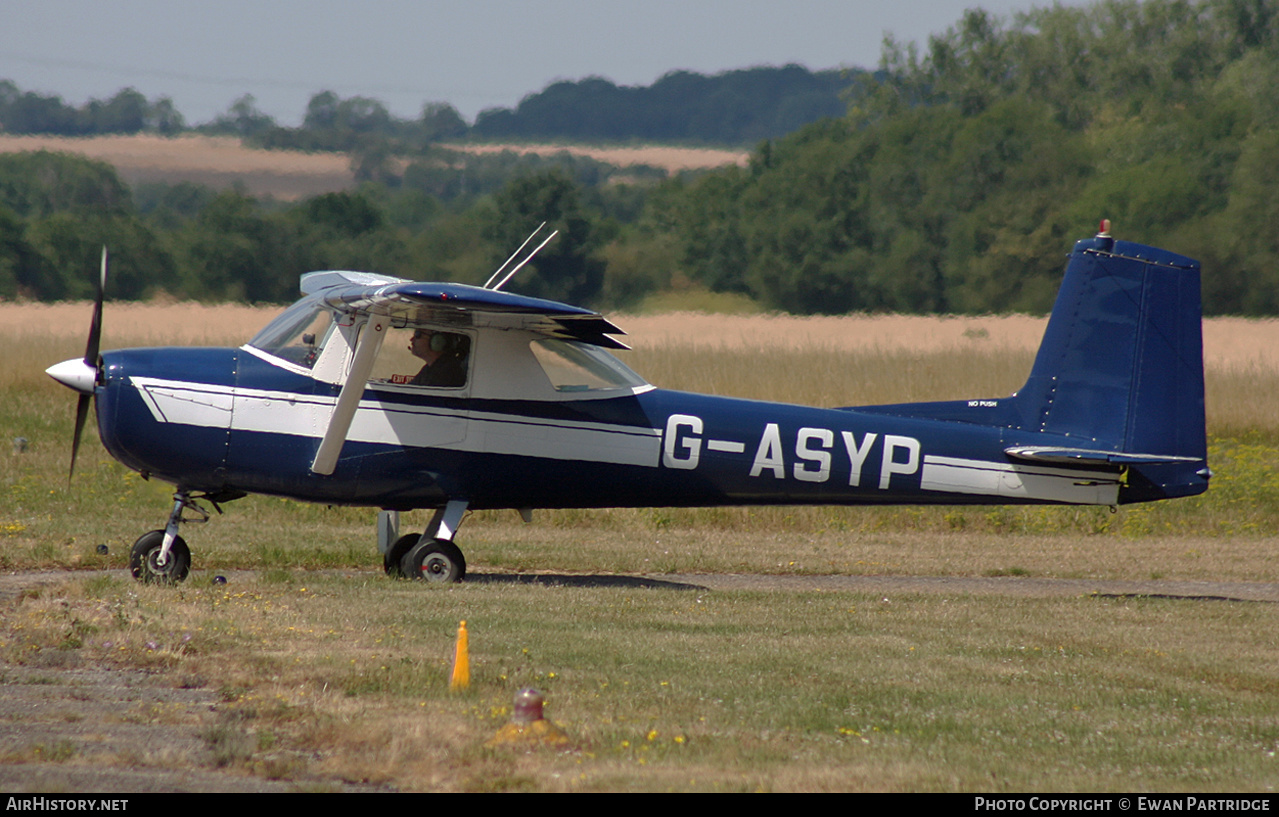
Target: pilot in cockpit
445, 356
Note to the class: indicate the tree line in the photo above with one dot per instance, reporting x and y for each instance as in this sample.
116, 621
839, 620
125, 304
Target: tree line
57, 211
733, 108
127, 112
957, 181
954, 181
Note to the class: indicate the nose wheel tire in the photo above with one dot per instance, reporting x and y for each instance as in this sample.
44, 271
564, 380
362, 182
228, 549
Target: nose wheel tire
434, 561
144, 559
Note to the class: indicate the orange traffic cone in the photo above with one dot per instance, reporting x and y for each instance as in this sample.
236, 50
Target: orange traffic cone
461, 661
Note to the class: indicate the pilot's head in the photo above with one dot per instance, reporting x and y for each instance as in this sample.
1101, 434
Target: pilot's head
427, 345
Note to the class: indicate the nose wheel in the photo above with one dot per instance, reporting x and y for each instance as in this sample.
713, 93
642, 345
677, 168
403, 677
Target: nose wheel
150, 565
161, 556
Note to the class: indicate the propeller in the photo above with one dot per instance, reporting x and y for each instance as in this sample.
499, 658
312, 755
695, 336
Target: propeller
82, 375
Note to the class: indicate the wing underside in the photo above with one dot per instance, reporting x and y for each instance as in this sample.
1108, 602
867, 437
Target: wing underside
404, 302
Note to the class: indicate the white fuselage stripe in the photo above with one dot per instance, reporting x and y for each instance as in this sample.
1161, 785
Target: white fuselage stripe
378, 422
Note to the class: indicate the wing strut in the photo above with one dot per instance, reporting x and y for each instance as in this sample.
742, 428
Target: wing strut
366, 350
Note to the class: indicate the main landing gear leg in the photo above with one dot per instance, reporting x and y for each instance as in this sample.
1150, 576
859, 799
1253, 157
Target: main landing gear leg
432, 556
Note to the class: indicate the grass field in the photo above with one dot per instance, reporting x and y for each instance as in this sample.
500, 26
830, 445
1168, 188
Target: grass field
289, 175
342, 674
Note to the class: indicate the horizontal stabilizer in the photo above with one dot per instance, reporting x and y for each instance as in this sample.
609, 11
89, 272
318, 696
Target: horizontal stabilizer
1084, 456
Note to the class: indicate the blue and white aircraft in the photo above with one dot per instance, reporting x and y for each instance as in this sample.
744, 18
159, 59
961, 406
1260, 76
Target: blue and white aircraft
521, 406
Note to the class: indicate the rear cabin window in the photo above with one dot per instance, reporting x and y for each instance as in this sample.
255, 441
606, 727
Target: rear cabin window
581, 367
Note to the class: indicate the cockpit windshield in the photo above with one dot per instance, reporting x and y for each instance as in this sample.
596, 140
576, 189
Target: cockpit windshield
297, 334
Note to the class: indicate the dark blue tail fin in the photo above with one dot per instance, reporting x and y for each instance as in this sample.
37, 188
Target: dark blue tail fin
1121, 366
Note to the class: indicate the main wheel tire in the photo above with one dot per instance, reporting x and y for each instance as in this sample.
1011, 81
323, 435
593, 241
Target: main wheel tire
391, 561
142, 559
434, 561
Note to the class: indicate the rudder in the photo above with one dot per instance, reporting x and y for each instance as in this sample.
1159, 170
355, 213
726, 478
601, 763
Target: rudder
1121, 364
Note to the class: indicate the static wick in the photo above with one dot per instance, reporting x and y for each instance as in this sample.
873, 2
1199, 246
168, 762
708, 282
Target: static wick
528, 727
461, 660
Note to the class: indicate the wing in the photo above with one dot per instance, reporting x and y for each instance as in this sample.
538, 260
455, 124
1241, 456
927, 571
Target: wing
462, 305
390, 302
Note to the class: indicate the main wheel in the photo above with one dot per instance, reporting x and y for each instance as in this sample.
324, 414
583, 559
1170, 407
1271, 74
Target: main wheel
142, 559
434, 561
391, 561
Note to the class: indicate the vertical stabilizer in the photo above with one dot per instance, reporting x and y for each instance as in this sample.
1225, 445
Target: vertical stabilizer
1121, 364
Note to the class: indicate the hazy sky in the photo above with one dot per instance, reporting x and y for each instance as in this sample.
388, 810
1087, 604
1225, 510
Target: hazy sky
475, 55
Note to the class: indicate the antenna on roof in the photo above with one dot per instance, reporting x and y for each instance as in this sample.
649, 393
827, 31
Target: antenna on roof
512, 258
520, 265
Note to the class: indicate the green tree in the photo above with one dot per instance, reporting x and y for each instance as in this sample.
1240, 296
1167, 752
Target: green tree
347, 231
706, 215
20, 265
345, 213
32, 113
568, 269
233, 252
70, 248
42, 183
439, 120
162, 117
244, 119
126, 112
1246, 281
322, 111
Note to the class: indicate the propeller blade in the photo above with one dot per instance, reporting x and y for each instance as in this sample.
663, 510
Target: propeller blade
91, 349
81, 414
95, 326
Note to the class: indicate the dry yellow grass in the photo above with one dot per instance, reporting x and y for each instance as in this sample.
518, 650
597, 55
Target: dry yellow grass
845, 360
1229, 343
216, 161
136, 324
823, 361
670, 159
863, 359
222, 154
220, 161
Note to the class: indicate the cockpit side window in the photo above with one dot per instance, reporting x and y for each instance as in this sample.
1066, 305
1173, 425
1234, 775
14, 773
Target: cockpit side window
424, 356
298, 334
